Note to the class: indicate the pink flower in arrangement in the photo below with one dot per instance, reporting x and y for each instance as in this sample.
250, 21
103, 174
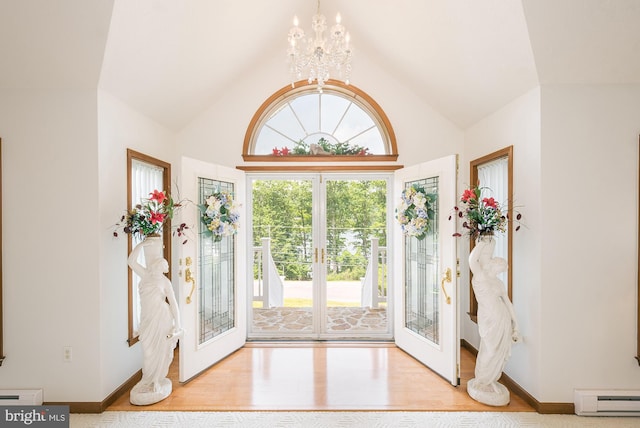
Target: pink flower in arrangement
275, 151
149, 216
158, 196
285, 151
467, 194
157, 218
490, 202
482, 215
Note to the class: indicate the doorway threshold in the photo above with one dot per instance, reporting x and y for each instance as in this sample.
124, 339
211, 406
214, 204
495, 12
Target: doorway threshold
319, 344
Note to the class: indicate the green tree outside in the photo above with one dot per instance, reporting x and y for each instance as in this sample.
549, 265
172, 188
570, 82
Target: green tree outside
355, 213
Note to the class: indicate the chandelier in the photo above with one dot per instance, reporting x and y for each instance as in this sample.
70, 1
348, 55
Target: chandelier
315, 57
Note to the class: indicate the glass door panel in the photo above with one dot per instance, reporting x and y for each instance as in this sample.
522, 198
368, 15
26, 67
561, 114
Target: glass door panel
354, 289
216, 302
283, 291
422, 295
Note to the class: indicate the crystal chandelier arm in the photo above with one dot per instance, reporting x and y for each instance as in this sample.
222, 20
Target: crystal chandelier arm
319, 55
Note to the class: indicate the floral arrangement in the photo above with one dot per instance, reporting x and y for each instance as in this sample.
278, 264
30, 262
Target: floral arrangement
482, 216
149, 216
220, 215
415, 212
303, 149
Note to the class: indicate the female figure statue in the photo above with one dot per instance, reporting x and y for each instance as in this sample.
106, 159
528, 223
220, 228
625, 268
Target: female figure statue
159, 327
497, 324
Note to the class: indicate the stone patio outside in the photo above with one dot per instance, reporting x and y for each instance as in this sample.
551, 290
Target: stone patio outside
344, 315
339, 319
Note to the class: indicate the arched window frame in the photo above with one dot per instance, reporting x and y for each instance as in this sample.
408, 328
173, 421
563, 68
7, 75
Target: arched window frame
350, 92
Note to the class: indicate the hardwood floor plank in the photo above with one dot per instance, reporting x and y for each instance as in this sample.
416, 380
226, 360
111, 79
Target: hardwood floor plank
321, 378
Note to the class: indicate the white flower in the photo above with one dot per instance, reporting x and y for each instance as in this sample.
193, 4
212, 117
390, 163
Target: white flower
419, 200
413, 212
213, 203
220, 215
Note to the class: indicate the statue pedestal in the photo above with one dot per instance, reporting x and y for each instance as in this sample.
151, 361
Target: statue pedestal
143, 395
495, 394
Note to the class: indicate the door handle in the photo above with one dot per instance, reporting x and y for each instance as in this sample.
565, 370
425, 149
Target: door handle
188, 278
446, 278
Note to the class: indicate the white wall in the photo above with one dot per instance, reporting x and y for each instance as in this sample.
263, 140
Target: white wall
516, 124
575, 262
217, 135
589, 239
50, 242
422, 133
120, 128
65, 277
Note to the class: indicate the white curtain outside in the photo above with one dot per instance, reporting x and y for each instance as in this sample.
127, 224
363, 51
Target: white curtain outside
145, 178
494, 182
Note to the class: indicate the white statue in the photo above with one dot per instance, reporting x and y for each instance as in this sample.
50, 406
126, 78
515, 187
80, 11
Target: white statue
159, 328
497, 324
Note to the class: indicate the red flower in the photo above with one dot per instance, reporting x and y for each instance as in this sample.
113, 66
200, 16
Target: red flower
158, 196
468, 194
284, 151
275, 151
490, 202
157, 217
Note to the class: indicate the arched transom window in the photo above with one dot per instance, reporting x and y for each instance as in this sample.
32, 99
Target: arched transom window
303, 124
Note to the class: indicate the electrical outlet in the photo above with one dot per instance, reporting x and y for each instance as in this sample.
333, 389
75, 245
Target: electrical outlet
68, 353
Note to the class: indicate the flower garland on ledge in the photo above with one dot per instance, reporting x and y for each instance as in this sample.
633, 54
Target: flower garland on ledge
149, 216
482, 216
220, 215
415, 212
323, 147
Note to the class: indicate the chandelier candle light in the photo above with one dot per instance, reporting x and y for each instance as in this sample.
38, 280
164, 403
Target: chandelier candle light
318, 55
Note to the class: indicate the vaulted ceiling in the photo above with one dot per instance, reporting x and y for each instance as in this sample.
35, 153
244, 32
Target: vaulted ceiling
168, 58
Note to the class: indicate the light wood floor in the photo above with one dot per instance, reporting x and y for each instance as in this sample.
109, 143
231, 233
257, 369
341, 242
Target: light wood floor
321, 377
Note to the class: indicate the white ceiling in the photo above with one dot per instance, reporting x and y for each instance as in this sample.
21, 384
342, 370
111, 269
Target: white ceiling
168, 58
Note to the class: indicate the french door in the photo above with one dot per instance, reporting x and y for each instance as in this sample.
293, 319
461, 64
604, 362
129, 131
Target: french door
320, 256
426, 320
212, 290
341, 280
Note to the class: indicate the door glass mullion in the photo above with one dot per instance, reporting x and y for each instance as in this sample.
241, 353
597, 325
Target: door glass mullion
216, 281
320, 240
422, 292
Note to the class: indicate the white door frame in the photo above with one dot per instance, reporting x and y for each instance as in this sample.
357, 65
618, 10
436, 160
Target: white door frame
319, 239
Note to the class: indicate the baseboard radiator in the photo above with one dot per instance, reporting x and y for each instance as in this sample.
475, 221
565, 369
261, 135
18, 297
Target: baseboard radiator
613, 402
20, 397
